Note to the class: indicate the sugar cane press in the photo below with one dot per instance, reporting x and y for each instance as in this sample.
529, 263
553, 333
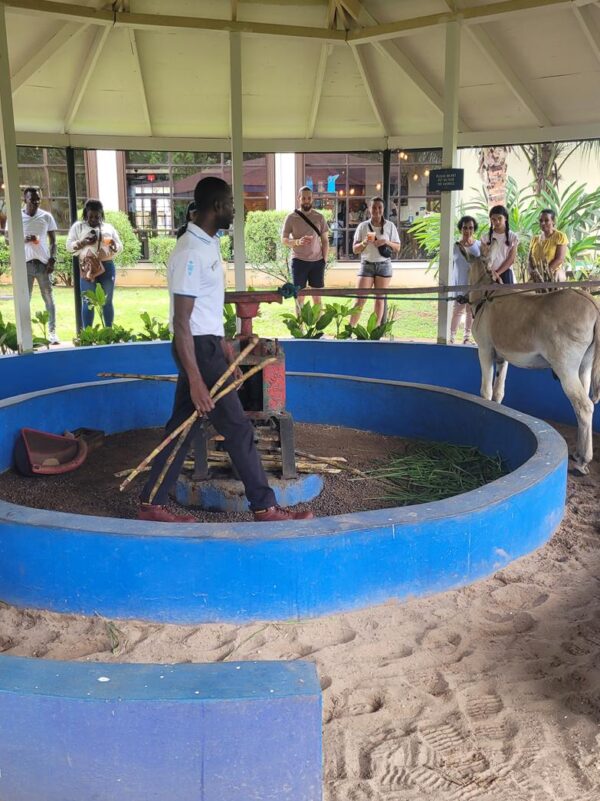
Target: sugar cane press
263, 398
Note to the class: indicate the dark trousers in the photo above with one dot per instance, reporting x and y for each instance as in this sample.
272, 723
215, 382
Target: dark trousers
228, 418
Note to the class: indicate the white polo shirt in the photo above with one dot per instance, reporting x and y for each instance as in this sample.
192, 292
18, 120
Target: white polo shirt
38, 225
195, 270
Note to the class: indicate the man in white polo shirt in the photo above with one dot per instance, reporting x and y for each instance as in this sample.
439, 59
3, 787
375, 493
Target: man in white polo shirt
39, 230
197, 292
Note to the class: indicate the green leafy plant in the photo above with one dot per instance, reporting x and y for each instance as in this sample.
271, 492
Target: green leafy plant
225, 245
96, 298
132, 247
309, 323
63, 266
229, 320
371, 331
8, 337
341, 312
41, 318
101, 335
153, 329
4, 257
159, 251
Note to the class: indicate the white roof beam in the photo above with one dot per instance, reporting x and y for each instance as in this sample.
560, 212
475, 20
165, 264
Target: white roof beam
585, 17
511, 79
370, 88
139, 78
155, 22
353, 7
86, 73
468, 16
316, 97
38, 58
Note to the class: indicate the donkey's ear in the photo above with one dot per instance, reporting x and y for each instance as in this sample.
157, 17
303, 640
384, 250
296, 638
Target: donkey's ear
465, 252
484, 249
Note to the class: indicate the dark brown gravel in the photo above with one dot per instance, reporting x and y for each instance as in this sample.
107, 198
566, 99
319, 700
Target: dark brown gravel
94, 490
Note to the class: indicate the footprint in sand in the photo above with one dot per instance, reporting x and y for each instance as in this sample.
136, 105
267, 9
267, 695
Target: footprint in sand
391, 659
365, 705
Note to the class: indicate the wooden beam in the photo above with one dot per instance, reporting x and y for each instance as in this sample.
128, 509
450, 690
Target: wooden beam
234, 10
331, 12
585, 18
370, 88
85, 75
138, 76
469, 16
167, 22
353, 7
317, 91
509, 76
36, 59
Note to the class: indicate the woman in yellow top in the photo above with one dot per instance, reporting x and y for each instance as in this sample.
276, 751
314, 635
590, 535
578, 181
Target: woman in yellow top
548, 250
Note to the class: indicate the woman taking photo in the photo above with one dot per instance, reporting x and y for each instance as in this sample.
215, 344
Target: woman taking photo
95, 242
503, 243
460, 275
548, 250
376, 240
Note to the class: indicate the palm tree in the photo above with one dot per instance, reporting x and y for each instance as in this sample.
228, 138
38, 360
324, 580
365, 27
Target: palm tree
493, 169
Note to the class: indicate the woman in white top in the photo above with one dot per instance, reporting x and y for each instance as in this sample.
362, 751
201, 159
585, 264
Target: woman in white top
460, 275
503, 243
93, 235
370, 238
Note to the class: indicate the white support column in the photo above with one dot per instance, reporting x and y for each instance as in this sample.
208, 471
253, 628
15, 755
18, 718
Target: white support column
237, 158
449, 159
8, 152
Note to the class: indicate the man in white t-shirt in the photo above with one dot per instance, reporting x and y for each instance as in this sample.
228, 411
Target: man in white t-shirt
39, 230
197, 292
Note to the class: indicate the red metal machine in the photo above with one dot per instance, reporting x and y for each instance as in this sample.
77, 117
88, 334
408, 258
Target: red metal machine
263, 395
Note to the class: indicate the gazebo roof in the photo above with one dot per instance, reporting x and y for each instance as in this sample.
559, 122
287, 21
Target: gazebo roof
317, 74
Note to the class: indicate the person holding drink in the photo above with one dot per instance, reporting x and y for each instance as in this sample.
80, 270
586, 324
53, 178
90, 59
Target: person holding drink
39, 231
376, 240
305, 231
96, 243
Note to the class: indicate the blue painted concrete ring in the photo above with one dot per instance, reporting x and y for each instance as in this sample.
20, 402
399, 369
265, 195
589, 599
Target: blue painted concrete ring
248, 571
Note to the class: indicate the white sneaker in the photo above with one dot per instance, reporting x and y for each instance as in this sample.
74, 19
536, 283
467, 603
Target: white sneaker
451, 341
53, 339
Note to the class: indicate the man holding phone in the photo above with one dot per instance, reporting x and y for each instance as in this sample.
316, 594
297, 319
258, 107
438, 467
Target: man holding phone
39, 229
306, 233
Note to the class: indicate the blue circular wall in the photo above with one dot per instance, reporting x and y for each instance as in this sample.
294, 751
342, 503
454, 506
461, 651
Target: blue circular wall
179, 573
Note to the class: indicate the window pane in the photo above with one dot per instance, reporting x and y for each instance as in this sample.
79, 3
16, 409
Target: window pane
58, 181
34, 176
147, 156
30, 155
184, 157
80, 183
56, 155
79, 159
59, 208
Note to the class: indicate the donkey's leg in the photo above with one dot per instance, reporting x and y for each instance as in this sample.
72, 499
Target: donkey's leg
501, 368
486, 363
585, 370
584, 410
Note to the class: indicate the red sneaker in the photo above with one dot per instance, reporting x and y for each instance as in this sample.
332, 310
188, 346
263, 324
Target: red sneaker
274, 513
160, 514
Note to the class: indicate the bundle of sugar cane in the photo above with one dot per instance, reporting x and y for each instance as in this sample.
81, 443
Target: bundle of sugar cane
140, 376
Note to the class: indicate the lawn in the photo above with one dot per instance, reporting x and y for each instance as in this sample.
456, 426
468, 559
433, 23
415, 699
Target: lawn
417, 319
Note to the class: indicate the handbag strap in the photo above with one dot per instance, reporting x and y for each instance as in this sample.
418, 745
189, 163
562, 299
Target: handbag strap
307, 221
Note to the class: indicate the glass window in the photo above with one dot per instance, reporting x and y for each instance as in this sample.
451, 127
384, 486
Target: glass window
410, 195
160, 184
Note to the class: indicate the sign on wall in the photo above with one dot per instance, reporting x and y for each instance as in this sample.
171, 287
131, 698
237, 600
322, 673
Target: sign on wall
446, 180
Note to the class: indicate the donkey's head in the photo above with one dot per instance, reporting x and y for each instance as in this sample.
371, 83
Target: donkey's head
480, 270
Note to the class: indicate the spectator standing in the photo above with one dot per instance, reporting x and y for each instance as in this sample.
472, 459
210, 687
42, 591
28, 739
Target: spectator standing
39, 229
502, 243
92, 235
460, 275
376, 240
306, 233
548, 250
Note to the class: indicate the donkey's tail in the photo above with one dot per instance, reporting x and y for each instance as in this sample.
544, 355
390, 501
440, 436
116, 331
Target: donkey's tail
595, 393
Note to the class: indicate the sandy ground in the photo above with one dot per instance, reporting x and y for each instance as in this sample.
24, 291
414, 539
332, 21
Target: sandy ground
487, 693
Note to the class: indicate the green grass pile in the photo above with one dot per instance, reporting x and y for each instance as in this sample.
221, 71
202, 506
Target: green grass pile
431, 471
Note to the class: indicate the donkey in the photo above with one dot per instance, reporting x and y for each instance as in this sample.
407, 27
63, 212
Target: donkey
559, 330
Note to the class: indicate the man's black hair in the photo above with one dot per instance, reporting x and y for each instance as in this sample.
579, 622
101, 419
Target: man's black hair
29, 189
210, 190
